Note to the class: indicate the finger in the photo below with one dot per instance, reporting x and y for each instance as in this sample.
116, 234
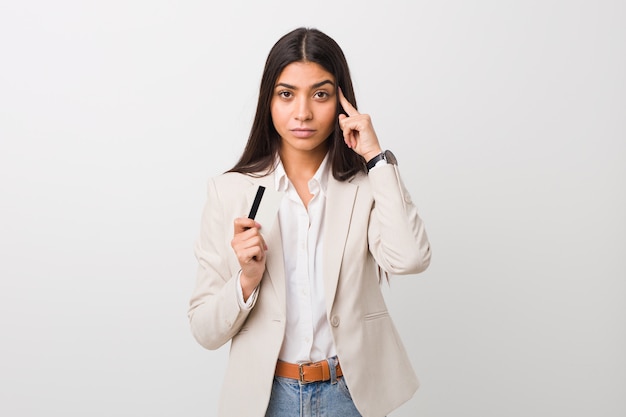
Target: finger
345, 132
254, 254
342, 122
256, 240
249, 250
247, 239
347, 107
243, 224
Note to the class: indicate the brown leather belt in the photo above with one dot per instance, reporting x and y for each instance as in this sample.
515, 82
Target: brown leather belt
306, 372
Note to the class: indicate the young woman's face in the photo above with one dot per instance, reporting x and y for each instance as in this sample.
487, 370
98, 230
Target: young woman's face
304, 107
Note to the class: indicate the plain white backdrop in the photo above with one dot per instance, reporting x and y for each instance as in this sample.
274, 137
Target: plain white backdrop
509, 122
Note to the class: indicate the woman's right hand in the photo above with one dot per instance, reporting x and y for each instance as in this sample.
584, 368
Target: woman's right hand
250, 247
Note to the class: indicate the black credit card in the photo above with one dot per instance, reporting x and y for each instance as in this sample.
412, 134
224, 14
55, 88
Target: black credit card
257, 202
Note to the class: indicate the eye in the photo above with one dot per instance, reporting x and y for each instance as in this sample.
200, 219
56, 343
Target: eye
285, 94
321, 94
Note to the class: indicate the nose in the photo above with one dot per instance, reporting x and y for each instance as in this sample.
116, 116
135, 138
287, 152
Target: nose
303, 110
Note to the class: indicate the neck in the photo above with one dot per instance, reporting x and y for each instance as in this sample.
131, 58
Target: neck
302, 165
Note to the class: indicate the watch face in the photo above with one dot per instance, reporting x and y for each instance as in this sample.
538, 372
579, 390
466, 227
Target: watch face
391, 158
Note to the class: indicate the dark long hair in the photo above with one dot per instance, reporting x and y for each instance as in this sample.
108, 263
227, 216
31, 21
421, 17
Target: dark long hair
300, 45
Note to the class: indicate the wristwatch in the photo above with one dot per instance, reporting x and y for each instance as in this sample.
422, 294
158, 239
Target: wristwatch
387, 156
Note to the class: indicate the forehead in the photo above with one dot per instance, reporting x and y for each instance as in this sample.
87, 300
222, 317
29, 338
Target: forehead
304, 74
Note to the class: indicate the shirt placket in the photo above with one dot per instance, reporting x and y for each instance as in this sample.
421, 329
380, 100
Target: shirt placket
304, 283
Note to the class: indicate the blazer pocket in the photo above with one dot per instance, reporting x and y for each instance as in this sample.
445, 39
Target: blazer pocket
377, 315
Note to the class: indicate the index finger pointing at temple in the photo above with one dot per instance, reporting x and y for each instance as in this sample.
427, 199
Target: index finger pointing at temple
347, 107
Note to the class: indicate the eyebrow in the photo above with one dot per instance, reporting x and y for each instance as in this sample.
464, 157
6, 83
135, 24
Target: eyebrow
316, 85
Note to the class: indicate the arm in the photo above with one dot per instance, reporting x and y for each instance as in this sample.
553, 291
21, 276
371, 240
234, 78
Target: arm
215, 313
396, 235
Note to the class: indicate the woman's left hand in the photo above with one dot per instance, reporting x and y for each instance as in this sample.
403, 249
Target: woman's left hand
358, 132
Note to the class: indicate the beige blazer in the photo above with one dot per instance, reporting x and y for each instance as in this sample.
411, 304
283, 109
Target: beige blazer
370, 221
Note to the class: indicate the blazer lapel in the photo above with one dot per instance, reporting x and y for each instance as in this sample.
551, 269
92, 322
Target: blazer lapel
340, 199
274, 266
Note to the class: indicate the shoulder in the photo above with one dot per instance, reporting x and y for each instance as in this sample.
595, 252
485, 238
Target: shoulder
230, 193
231, 180
358, 178
361, 180
234, 184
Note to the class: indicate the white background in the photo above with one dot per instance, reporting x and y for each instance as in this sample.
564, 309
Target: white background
509, 122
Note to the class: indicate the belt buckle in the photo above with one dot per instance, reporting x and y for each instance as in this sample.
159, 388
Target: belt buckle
301, 372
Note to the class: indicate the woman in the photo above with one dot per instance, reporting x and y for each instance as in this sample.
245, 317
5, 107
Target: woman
301, 301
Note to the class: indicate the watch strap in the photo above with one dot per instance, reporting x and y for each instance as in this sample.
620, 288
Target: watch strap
372, 162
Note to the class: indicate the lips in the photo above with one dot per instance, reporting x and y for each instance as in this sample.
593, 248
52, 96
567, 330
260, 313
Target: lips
303, 133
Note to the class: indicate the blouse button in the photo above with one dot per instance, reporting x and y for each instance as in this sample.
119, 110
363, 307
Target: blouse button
334, 321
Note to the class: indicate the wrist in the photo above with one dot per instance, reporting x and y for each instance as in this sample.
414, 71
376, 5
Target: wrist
382, 158
372, 154
247, 285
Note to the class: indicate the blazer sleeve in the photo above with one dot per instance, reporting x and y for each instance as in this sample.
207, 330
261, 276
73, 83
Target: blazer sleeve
215, 314
396, 234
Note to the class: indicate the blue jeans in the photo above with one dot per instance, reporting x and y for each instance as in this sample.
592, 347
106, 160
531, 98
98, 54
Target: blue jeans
331, 398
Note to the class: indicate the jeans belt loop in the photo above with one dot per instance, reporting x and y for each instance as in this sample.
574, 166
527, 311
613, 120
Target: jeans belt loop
332, 365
